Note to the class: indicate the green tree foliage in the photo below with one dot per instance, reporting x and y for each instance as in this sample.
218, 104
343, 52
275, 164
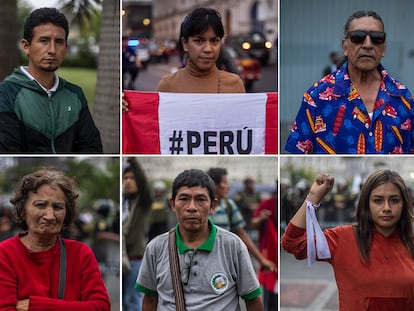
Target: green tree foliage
80, 12
96, 177
96, 183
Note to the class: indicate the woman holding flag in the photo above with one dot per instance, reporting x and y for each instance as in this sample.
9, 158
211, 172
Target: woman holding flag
373, 258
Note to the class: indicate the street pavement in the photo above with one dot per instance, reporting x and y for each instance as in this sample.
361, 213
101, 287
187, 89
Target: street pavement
111, 273
306, 288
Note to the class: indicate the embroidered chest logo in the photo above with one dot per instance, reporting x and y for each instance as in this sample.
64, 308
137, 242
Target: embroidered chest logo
219, 282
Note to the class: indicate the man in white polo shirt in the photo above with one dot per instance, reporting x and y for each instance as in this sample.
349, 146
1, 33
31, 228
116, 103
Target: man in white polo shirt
215, 267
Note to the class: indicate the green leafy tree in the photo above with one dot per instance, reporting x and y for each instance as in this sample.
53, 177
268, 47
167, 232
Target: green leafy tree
96, 183
107, 97
97, 178
80, 12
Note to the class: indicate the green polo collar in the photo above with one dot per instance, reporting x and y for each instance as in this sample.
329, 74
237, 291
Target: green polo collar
206, 246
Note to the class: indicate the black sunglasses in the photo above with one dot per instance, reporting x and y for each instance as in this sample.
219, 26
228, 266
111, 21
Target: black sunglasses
358, 36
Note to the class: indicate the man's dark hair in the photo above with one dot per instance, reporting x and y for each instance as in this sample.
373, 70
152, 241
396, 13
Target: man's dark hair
360, 14
333, 54
128, 169
141, 180
216, 173
43, 16
194, 178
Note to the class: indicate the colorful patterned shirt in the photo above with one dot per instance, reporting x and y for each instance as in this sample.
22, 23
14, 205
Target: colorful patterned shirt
333, 119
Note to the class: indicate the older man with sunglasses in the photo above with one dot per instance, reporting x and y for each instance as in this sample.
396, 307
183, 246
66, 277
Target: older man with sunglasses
359, 109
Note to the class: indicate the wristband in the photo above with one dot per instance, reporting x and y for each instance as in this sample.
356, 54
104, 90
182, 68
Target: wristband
308, 202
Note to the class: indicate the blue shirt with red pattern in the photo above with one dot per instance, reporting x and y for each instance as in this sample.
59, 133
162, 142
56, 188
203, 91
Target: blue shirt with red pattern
333, 119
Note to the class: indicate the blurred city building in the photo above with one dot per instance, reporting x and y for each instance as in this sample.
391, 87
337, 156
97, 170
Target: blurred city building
161, 20
137, 18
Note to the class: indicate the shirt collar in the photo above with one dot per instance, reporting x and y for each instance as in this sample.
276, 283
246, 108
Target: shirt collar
206, 246
51, 90
395, 235
194, 71
342, 82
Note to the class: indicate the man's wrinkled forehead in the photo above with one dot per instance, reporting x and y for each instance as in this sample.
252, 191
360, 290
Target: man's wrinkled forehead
367, 23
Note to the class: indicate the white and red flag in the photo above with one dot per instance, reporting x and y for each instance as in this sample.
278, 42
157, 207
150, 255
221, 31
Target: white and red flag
177, 123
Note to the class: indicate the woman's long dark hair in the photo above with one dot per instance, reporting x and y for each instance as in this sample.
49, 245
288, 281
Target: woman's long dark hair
365, 227
197, 22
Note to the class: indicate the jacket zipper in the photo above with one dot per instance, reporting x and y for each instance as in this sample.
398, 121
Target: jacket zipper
52, 140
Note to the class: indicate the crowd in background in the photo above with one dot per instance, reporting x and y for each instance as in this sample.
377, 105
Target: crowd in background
338, 207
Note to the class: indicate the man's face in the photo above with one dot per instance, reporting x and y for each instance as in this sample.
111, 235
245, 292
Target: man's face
222, 188
47, 50
192, 206
367, 55
249, 185
129, 184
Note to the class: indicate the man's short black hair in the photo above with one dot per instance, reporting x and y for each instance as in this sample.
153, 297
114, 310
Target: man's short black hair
128, 169
43, 16
194, 178
217, 173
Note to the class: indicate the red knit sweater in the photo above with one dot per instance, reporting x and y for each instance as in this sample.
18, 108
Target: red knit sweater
34, 276
385, 283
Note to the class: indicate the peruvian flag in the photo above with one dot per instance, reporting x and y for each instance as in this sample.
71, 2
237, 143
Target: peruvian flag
178, 123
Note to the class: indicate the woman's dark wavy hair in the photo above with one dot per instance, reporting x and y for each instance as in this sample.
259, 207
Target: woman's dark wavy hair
32, 182
43, 16
197, 22
365, 227
356, 15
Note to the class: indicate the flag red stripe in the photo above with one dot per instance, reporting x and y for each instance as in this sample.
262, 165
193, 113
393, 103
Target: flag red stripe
271, 135
140, 127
